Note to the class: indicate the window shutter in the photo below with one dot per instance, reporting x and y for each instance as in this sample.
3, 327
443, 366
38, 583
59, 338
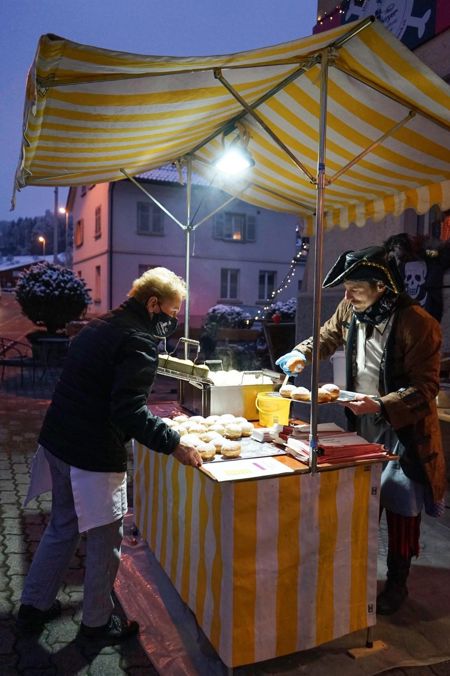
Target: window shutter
250, 234
219, 221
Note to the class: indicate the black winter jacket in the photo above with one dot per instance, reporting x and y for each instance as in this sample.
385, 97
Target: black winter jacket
100, 401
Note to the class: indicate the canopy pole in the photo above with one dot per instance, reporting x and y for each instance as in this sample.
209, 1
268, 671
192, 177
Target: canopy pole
372, 146
153, 199
256, 116
187, 274
318, 262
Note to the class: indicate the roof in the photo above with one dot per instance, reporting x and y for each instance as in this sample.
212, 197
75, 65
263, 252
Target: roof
169, 173
92, 114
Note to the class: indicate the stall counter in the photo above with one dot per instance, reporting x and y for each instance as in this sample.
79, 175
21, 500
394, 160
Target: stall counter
269, 566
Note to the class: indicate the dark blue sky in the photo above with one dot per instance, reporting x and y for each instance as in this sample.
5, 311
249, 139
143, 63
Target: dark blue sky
169, 27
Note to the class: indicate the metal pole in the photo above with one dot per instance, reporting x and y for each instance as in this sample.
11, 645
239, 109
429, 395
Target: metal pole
318, 261
188, 253
55, 228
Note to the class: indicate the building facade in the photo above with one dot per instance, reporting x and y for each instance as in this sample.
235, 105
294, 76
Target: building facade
238, 256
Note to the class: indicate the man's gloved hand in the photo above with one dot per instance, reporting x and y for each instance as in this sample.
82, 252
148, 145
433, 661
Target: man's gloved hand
292, 362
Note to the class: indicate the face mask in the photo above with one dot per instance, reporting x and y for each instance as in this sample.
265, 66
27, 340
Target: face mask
163, 324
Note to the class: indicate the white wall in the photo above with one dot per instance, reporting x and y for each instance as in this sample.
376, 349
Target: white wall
273, 249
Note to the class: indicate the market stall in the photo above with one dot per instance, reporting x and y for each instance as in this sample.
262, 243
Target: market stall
343, 126
269, 566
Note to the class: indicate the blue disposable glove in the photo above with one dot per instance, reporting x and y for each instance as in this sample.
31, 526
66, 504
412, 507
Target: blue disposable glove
286, 359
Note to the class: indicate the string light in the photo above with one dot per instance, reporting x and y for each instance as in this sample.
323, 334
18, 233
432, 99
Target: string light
329, 16
287, 279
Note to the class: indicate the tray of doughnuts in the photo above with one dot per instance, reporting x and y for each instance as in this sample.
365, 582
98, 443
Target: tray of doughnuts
326, 394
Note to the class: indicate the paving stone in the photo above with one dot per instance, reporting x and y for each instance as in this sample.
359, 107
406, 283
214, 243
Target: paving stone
10, 510
8, 498
16, 563
12, 527
15, 545
16, 585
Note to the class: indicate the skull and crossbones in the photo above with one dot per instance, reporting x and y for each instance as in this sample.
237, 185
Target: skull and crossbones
415, 276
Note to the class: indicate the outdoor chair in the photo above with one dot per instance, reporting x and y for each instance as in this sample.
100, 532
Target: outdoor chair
15, 355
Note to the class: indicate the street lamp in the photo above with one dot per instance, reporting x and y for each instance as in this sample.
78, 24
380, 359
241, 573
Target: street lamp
63, 210
41, 239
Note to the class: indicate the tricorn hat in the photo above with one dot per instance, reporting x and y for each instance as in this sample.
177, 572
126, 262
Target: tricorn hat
370, 264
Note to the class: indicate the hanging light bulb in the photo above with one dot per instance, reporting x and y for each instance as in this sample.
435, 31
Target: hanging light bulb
235, 160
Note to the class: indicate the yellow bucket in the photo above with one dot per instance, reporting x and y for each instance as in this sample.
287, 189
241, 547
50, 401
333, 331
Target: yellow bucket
272, 409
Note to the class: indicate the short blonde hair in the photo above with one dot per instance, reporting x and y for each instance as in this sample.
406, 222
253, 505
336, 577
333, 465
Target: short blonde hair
159, 282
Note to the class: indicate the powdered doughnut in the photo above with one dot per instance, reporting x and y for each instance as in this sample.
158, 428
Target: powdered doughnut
180, 418
323, 396
296, 364
206, 450
332, 389
247, 429
301, 394
233, 431
286, 391
231, 449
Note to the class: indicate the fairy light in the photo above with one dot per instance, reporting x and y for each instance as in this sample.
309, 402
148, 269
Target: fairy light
286, 281
329, 16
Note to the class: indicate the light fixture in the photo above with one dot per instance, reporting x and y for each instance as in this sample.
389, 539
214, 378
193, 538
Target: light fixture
235, 157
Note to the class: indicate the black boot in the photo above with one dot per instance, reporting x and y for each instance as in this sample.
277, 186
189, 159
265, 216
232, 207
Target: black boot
395, 590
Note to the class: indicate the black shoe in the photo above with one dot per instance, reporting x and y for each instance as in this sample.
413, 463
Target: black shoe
391, 598
31, 619
114, 631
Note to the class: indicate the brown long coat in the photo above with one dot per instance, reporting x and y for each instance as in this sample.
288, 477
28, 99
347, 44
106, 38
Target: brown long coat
409, 380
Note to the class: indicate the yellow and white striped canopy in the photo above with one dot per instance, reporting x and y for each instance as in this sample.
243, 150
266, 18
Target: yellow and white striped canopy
90, 113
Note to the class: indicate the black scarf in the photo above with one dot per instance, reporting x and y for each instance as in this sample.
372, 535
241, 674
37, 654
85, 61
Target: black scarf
380, 310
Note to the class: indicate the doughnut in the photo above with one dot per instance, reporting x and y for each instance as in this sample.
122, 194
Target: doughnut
190, 440
196, 428
211, 420
197, 419
218, 442
286, 390
207, 436
206, 450
323, 396
296, 364
180, 418
332, 389
247, 429
233, 431
226, 418
231, 449
217, 427
301, 394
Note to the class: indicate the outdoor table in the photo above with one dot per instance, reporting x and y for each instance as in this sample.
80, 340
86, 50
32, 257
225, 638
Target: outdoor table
269, 566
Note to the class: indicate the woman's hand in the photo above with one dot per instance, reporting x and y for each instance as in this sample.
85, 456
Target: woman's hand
363, 404
187, 455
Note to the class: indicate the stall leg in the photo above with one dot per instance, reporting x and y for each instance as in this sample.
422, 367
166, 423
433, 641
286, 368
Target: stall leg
370, 647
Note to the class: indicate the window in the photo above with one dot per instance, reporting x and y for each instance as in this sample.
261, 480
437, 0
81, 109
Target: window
142, 267
83, 190
266, 284
149, 219
79, 233
98, 284
234, 227
98, 222
229, 283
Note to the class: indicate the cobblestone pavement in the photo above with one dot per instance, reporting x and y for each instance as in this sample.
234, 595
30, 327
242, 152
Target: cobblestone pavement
55, 651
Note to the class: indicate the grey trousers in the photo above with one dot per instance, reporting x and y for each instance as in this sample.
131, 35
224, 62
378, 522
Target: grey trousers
57, 546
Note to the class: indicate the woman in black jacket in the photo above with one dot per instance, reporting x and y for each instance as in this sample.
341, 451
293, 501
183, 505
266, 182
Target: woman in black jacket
99, 404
